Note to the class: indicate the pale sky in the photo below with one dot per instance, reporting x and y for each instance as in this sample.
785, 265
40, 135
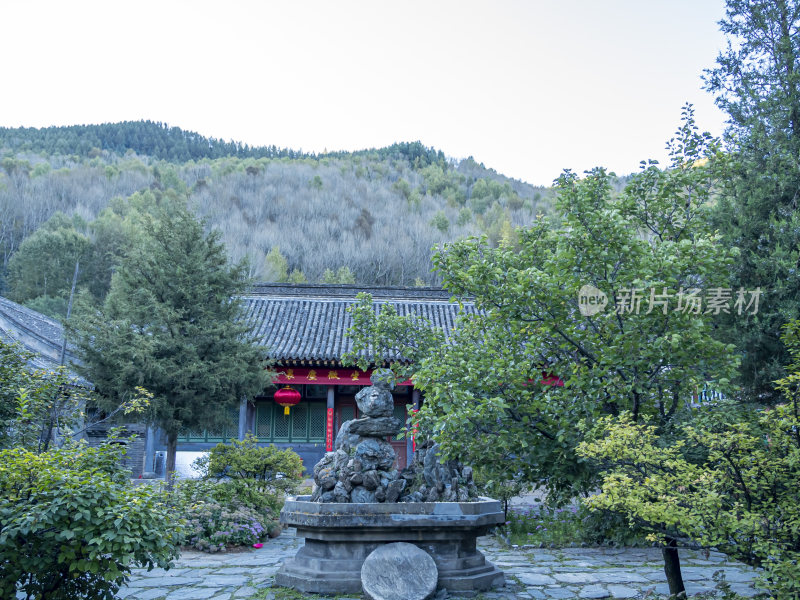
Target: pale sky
527, 88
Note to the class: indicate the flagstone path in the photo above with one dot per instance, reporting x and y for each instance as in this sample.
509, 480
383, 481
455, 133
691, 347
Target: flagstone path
530, 573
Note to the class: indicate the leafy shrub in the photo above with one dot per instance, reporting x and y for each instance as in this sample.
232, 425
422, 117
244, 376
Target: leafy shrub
72, 526
230, 493
264, 468
542, 525
213, 527
742, 498
237, 500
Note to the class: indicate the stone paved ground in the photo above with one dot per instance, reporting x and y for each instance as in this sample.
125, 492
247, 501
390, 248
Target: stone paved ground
530, 573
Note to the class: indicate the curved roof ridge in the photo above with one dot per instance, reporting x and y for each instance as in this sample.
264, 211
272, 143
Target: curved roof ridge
36, 333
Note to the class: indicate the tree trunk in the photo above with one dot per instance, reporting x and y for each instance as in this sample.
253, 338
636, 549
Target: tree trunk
672, 569
172, 449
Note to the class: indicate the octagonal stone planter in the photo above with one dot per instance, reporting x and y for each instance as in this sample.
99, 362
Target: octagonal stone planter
339, 537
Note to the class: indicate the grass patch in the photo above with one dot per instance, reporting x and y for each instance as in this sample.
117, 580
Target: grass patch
284, 593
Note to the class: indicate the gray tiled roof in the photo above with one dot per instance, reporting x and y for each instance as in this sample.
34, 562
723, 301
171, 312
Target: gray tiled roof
310, 322
292, 322
36, 333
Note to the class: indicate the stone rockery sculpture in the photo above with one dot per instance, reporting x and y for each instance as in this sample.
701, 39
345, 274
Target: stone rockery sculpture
362, 467
362, 502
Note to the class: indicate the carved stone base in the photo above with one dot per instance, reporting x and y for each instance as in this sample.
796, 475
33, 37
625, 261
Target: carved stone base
339, 537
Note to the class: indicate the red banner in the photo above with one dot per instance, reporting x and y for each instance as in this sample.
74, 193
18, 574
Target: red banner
326, 376
413, 429
329, 432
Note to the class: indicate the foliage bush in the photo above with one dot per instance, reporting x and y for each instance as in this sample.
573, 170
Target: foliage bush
212, 527
71, 525
237, 500
264, 467
545, 526
228, 493
742, 498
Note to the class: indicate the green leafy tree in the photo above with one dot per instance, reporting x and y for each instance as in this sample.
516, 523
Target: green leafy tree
113, 232
72, 526
402, 187
342, 275
757, 83
345, 275
329, 276
756, 80
47, 405
41, 408
13, 378
440, 221
729, 481
44, 264
170, 324
297, 276
464, 217
487, 390
276, 267
36, 405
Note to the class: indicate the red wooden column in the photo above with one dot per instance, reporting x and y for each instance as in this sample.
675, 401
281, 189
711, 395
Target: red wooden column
329, 432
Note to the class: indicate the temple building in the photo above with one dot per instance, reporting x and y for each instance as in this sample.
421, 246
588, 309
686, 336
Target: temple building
304, 332
303, 329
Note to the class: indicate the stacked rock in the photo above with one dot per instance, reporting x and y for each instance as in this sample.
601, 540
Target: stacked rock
448, 481
361, 469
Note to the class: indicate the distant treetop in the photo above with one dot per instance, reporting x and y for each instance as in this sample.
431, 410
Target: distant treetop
161, 141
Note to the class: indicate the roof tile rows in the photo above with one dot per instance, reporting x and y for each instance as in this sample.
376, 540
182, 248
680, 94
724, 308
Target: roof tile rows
36, 333
315, 329
293, 323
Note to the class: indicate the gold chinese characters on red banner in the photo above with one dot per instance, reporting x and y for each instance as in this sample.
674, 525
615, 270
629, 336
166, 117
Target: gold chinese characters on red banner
329, 431
318, 376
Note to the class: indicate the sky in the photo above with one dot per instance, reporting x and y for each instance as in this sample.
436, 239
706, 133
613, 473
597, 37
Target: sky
528, 88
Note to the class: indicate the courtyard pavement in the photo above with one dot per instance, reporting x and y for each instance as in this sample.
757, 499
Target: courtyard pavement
530, 573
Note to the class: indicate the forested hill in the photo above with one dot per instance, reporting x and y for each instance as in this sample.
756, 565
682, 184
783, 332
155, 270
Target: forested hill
160, 141
370, 216
147, 138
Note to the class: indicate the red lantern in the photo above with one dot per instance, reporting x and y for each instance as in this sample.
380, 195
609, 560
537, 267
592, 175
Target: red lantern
287, 397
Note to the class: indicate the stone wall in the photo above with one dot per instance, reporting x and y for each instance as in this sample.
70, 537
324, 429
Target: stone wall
133, 437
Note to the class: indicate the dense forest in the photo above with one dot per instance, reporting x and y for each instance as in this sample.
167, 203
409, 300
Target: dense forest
371, 217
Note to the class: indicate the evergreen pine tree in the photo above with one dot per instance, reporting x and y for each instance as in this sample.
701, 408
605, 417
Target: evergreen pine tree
170, 324
757, 83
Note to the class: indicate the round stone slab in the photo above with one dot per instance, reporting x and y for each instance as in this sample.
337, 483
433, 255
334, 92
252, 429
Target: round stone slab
399, 571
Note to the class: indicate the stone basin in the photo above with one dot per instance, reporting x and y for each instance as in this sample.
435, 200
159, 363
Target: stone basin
340, 536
